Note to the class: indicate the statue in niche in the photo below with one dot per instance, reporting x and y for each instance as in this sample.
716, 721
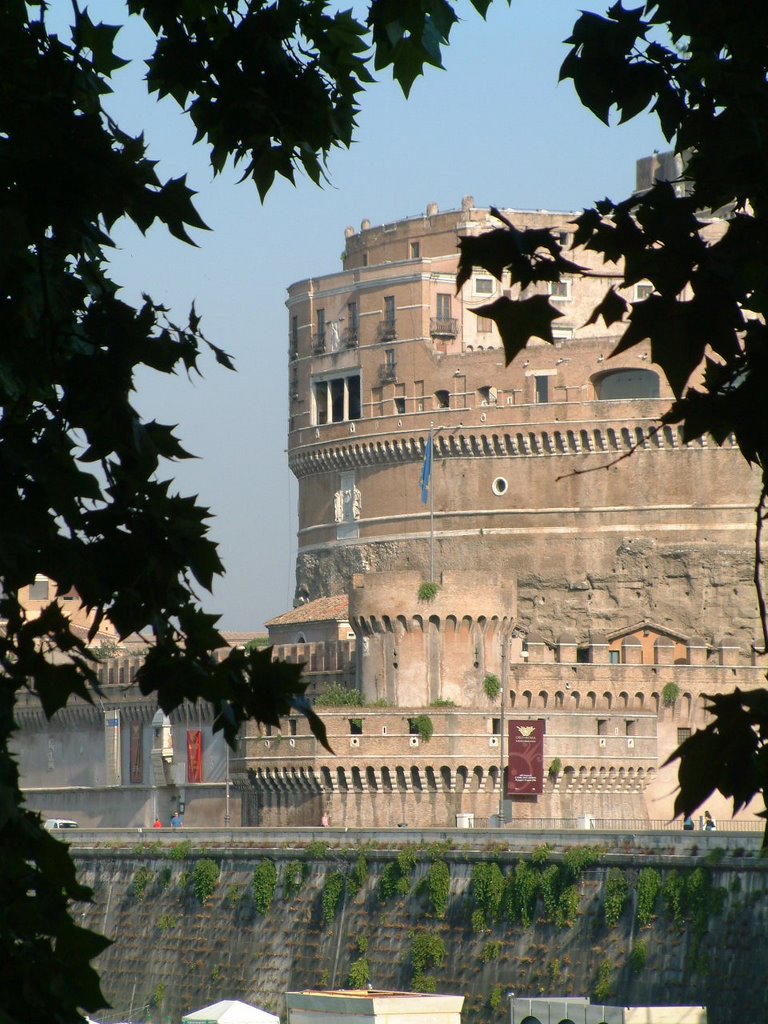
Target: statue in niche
347, 504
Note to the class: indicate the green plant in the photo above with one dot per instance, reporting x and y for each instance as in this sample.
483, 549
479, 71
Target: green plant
495, 999
520, 894
638, 956
362, 944
357, 876
647, 890
205, 878
165, 878
166, 922
234, 895
672, 894
554, 972
568, 906
442, 702
488, 888
603, 985
491, 951
183, 880
316, 850
423, 983
478, 922
158, 995
580, 858
263, 885
427, 591
359, 973
140, 881
439, 887
422, 725
338, 696
670, 694
294, 876
427, 950
216, 972
549, 887
541, 854
491, 686
180, 851
324, 978
615, 896
333, 890
555, 768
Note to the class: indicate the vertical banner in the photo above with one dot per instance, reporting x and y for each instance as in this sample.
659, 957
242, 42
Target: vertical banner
137, 753
194, 759
526, 757
112, 766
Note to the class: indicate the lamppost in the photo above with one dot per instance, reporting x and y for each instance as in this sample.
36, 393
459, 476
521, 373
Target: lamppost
504, 681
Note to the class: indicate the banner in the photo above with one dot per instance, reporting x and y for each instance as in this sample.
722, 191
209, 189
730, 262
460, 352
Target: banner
194, 759
525, 757
426, 470
137, 753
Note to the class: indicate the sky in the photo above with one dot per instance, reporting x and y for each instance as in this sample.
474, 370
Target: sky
495, 124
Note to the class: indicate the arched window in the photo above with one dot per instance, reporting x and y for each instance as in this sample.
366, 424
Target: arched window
442, 399
487, 395
616, 384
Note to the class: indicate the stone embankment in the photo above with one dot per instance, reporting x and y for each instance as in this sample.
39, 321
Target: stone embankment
630, 922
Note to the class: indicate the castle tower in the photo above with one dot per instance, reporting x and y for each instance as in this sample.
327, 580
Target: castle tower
529, 477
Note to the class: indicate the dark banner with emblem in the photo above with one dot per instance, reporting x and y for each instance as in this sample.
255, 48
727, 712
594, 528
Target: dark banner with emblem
525, 757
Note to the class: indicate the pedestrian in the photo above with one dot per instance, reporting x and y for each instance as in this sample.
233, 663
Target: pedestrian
158, 823
324, 821
175, 820
709, 822
688, 823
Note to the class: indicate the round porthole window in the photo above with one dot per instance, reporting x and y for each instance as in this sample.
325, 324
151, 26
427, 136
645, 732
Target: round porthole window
499, 486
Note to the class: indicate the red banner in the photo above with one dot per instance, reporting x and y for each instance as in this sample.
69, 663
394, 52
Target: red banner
137, 753
525, 757
194, 759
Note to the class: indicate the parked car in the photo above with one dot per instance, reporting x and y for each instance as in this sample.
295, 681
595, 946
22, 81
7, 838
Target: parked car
53, 823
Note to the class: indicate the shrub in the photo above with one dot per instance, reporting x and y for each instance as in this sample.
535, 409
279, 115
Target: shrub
422, 724
672, 894
479, 923
333, 890
205, 878
316, 850
427, 950
555, 768
359, 973
647, 888
582, 857
166, 922
357, 876
568, 906
550, 886
234, 895
442, 702
180, 851
602, 990
488, 888
520, 894
141, 880
158, 995
165, 879
263, 885
638, 957
427, 591
541, 854
338, 696
495, 999
616, 892
491, 951
669, 694
362, 944
438, 887
491, 687
423, 983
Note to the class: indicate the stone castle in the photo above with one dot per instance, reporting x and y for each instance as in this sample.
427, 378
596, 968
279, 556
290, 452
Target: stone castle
597, 568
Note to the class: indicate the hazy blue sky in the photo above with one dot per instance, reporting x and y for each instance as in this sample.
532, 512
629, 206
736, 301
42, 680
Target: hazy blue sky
495, 125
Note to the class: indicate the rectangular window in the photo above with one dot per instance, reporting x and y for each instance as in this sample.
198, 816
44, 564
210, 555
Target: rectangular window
643, 291
582, 655
682, 735
602, 727
292, 726
614, 657
541, 386
415, 250
483, 286
321, 402
443, 305
355, 727
337, 399
389, 357
352, 318
484, 325
353, 398
38, 591
320, 325
629, 726
399, 409
496, 726
389, 308
294, 335
560, 289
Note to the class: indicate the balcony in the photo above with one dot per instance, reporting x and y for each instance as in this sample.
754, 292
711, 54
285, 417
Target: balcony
387, 373
386, 331
318, 343
443, 327
349, 337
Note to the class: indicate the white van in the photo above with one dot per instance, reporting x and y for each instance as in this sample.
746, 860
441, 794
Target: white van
53, 823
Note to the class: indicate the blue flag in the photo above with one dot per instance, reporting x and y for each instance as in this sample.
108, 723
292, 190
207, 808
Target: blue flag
426, 470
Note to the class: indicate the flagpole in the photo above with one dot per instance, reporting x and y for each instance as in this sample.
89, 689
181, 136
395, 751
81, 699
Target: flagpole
431, 515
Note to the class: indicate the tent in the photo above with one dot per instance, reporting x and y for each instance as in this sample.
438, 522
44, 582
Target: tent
230, 1011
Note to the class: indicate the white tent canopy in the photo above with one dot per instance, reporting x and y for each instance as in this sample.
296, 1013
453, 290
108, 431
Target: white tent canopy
230, 1011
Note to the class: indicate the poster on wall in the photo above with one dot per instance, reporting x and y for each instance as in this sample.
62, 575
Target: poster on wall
526, 757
